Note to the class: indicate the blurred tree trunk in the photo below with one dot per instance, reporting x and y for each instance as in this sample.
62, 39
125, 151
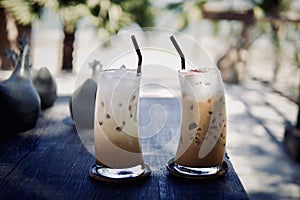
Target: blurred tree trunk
4, 43
23, 29
298, 118
277, 48
67, 63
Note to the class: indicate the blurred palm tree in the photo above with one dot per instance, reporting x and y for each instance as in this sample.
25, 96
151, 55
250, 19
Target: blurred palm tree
4, 43
108, 16
24, 13
70, 12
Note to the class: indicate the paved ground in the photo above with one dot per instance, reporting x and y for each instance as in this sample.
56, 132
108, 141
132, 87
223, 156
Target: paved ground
255, 141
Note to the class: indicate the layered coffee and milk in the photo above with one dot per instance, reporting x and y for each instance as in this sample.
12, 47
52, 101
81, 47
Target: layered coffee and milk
115, 127
203, 131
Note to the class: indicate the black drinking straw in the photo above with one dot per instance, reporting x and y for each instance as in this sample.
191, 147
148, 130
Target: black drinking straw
138, 52
179, 52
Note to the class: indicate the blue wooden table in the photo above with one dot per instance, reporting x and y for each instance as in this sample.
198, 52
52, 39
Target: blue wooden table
50, 162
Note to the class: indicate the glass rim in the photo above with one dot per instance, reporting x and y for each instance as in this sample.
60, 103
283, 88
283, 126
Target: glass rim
199, 70
115, 69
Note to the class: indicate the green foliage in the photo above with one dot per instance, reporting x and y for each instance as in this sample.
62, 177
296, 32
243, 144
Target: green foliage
24, 11
115, 14
70, 13
108, 15
140, 11
186, 11
175, 6
66, 3
272, 7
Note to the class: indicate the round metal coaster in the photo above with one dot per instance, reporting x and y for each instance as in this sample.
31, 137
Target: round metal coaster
219, 173
95, 175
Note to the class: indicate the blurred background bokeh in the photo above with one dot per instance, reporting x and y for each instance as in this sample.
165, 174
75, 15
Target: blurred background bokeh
255, 38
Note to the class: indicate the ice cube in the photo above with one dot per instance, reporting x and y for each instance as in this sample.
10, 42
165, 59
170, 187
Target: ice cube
123, 67
120, 71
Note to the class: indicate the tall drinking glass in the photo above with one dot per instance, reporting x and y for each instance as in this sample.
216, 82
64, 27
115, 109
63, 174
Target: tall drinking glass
117, 147
202, 142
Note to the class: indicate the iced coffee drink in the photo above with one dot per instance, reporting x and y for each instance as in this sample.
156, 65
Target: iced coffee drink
117, 148
203, 131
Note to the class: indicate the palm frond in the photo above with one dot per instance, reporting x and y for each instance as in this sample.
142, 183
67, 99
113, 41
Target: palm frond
24, 11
